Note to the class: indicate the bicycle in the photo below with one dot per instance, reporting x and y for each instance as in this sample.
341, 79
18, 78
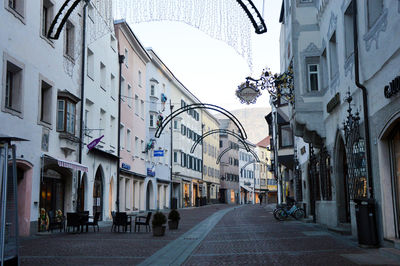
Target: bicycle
283, 211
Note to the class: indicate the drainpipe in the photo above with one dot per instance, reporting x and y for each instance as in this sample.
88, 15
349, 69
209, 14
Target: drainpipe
78, 203
171, 107
120, 61
365, 102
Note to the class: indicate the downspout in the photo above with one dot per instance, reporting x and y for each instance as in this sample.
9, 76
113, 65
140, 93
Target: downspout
365, 102
120, 61
171, 107
78, 203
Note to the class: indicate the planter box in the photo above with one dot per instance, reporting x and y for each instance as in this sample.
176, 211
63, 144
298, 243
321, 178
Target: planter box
159, 230
173, 225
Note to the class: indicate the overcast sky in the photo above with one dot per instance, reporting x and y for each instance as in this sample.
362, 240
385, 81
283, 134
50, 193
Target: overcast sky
209, 68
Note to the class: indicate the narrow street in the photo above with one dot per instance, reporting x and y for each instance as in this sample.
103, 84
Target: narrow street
210, 235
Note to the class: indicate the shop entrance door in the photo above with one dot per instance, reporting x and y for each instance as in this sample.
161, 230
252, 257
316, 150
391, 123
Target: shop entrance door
98, 193
52, 195
395, 150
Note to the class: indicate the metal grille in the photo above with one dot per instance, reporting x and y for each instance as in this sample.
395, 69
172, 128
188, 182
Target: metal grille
355, 152
325, 174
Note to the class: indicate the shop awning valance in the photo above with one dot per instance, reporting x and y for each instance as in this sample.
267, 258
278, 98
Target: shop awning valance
69, 164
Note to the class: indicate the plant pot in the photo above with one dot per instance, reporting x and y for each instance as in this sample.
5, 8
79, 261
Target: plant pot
173, 225
159, 230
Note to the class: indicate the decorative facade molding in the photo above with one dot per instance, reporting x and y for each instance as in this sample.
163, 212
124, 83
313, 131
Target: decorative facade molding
335, 82
321, 9
373, 33
311, 51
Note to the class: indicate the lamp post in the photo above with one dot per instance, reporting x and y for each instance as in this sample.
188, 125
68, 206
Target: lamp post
278, 86
171, 107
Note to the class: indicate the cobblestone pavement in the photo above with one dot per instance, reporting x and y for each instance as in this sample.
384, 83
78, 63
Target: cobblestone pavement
251, 236
105, 247
248, 235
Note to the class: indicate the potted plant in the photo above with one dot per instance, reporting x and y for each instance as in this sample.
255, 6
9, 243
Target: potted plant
173, 219
158, 222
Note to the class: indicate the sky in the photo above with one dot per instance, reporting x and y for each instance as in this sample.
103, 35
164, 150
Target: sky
210, 68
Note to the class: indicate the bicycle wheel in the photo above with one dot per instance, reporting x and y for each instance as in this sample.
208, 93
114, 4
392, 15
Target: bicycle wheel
299, 214
281, 215
275, 213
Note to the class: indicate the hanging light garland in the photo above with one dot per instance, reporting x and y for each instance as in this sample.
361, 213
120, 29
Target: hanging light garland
220, 19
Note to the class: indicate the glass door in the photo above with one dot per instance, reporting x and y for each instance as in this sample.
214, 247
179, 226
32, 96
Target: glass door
395, 150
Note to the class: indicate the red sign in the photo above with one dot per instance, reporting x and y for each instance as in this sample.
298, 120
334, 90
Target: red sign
93, 144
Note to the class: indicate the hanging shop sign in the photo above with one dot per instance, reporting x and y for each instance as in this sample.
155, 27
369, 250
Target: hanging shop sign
158, 153
393, 87
248, 92
93, 144
126, 166
335, 101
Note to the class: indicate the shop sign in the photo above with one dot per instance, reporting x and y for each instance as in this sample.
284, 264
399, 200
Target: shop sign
158, 153
151, 172
248, 93
93, 144
126, 166
393, 87
335, 101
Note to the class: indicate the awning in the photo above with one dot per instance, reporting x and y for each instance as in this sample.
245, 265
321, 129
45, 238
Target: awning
163, 181
249, 190
69, 164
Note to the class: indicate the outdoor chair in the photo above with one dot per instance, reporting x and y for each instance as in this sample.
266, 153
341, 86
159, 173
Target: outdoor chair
143, 220
73, 220
121, 219
94, 222
83, 219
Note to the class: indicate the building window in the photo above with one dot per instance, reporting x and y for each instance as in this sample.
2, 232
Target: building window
348, 31
142, 109
333, 56
374, 10
45, 101
47, 16
175, 124
136, 147
90, 64
324, 66
175, 156
142, 147
102, 76
152, 90
136, 105
313, 73
151, 123
183, 104
66, 115
140, 78
69, 40
113, 131
122, 136
285, 136
13, 91
17, 6
102, 123
113, 43
113, 86
126, 60
128, 140
221, 144
130, 100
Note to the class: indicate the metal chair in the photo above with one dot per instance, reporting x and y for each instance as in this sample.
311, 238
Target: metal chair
94, 222
121, 219
139, 221
73, 220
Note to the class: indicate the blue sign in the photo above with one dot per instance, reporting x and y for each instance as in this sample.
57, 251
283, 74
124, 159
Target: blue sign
126, 166
158, 153
150, 172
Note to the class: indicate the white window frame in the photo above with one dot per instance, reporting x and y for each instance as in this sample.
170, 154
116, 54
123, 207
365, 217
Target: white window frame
310, 73
47, 106
17, 68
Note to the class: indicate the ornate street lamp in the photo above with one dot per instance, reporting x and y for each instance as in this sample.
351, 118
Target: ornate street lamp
278, 86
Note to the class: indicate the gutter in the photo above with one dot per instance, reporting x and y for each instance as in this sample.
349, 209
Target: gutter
78, 204
120, 61
365, 102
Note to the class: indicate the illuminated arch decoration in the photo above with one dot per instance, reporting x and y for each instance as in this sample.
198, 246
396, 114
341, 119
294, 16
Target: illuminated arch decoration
208, 106
251, 162
61, 18
257, 159
219, 131
254, 16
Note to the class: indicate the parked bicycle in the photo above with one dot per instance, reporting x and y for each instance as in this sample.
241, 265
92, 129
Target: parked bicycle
283, 211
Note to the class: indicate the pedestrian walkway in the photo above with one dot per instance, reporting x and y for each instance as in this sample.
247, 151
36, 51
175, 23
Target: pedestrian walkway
251, 236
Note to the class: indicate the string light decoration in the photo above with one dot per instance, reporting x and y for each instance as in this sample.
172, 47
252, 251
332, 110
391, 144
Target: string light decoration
223, 20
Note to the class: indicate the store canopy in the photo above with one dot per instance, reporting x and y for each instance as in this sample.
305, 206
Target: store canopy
69, 164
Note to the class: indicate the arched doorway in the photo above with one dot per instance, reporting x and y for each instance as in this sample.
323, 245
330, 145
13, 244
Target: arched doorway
24, 191
394, 142
98, 192
149, 196
342, 191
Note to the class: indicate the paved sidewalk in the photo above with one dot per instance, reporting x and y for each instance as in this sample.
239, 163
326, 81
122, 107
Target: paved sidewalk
251, 236
105, 247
